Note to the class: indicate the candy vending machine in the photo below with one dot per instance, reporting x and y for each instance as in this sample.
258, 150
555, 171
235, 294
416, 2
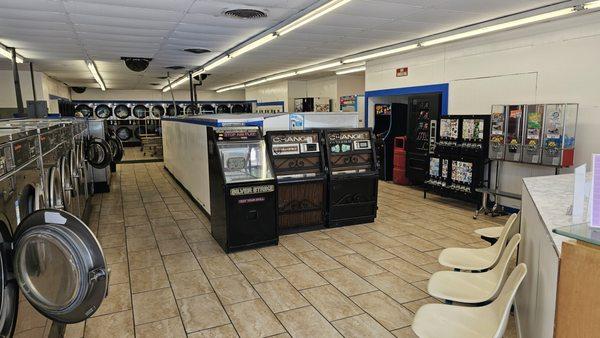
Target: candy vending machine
514, 133
559, 134
532, 147
497, 132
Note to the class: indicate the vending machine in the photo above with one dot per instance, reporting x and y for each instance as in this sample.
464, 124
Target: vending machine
514, 133
497, 132
423, 115
558, 143
532, 147
299, 164
243, 198
473, 136
353, 176
448, 139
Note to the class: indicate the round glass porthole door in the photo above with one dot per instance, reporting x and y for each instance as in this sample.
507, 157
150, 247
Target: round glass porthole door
171, 110
140, 111
103, 111
157, 111
223, 109
85, 110
59, 266
55, 189
9, 300
191, 109
207, 109
124, 133
237, 109
122, 111
29, 200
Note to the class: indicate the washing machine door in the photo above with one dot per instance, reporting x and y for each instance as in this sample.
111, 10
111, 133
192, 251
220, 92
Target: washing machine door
98, 153
191, 109
207, 109
140, 111
66, 176
124, 133
9, 300
55, 188
122, 111
58, 265
223, 109
29, 201
103, 111
157, 111
85, 110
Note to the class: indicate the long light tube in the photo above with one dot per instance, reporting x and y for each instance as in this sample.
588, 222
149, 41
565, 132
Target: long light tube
382, 53
4, 51
217, 63
317, 13
92, 67
257, 82
281, 76
351, 70
198, 72
320, 67
253, 45
175, 84
592, 5
231, 88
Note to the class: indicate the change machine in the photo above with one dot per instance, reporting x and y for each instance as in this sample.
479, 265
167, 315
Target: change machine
353, 176
299, 165
559, 134
242, 189
532, 147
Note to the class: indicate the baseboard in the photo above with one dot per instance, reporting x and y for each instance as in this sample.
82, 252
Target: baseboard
188, 193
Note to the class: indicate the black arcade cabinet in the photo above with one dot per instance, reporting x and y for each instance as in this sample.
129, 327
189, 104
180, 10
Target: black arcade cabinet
353, 176
390, 122
243, 199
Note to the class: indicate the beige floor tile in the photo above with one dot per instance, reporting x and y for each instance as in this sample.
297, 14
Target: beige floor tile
415, 305
344, 236
162, 221
347, 282
115, 255
412, 255
148, 279
295, 243
233, 289
244, 256
119, 273
417, 243
315, 235
206, 249
318, 260
181, 262
154, 305
167, 328
258, 271
302, 276
118, 299
144, 259
361, 326
136, 211
331, 303
167, 232
307, 322
405, 270
396, 287
332, 247
278, 256
225, 331
253, 319
202, 312
219, 266
384, 309
406, 332
280, 295
75, 330
139, 231
118, 324
371, 251
197, 235
189, 224
111, 241
179, 215
136, 220
141, 243
360, 265
189, 284
380, 240
172, 246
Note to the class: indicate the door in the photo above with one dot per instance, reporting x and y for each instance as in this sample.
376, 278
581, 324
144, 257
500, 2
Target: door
57, 264
68, 186
55, 188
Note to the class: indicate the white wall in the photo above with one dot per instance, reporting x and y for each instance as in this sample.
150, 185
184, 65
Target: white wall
545, 63
272, 92
44, 86
157, 95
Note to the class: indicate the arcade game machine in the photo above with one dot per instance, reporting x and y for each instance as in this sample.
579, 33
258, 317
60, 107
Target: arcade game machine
559, 134
532, 147
423, 115
514, 134
497, 133
353, 177
242, 189
390, 122
299, 164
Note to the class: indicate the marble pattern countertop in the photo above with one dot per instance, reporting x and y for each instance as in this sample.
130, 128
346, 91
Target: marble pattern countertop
553, 196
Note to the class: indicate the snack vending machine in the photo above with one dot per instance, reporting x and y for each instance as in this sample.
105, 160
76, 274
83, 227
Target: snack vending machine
353, 176
423, 115
514, 134
532, 147
299, 164
242, 189
558, 144
497, 132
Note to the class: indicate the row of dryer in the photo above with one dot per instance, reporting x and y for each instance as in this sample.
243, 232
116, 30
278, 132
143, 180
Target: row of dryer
155, 110
50, 260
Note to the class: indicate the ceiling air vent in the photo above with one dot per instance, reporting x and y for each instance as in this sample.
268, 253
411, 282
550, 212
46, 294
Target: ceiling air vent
154, 84
245, 13
197, 50
175, 67
162, 77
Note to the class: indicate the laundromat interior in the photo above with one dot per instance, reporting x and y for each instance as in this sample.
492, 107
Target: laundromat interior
300, 168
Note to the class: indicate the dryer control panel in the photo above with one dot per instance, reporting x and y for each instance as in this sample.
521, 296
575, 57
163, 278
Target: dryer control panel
24, 150
6, 159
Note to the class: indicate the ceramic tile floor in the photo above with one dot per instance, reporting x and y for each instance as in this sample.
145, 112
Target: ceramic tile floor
170, 279
136, 154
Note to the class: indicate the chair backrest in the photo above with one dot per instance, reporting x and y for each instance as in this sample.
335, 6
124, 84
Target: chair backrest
500, 307
508, 229
500, 270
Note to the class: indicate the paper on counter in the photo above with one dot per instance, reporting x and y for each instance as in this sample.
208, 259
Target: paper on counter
579, 194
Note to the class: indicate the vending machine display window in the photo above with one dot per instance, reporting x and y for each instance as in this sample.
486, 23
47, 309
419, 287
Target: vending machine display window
448, 139
559, 134
462, 176
514, 134
532, 148
299, 164
242, 189
353, 176
497, 133
436, 177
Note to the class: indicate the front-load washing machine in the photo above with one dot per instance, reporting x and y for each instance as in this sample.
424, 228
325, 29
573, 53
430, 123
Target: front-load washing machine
141, 111
122, 111
52, 150
174, 110
207, 109
191, 109
223, 109
29, 191
157, 111
103, 110
86, 109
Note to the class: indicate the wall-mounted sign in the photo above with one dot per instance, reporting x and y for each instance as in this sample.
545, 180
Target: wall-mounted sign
400, 72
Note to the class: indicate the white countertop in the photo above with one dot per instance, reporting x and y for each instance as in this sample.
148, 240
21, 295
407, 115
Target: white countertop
553, 196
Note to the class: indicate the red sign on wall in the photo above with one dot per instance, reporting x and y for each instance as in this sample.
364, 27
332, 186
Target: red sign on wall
400, 72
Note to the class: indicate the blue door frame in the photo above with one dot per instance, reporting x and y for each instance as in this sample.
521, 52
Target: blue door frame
429, 89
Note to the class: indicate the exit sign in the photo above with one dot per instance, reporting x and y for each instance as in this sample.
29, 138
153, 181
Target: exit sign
400, 72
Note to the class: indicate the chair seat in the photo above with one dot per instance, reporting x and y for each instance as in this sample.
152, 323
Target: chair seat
450, 321
462, 287
491, 232
468, 258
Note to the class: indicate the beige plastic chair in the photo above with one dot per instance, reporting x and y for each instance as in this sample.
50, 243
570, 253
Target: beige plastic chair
490, 232
478, 259
451, 321
473, 288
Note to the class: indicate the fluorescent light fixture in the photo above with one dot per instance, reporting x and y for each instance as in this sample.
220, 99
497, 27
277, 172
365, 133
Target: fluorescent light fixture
351, 70
382, 53
6, 52
92, 67
313, 15
240, 86
281, 76
501, 26
253, 45
175, 84
320, 67
217, 63
592, 5
198, 72
257, 82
